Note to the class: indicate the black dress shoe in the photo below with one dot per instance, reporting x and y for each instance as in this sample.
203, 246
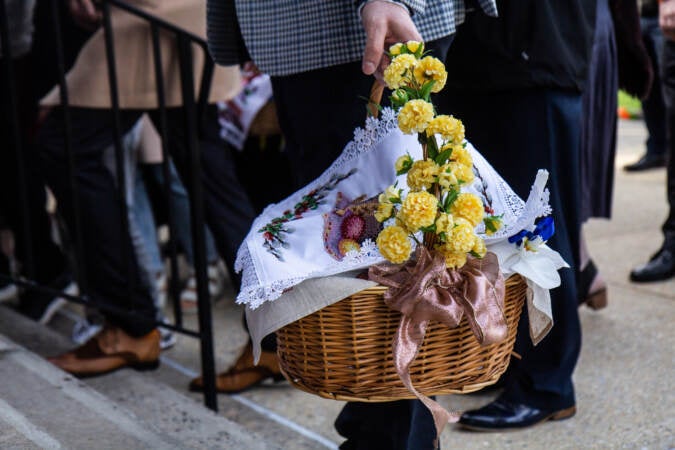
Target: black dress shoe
646, 162
503, 414
659, 268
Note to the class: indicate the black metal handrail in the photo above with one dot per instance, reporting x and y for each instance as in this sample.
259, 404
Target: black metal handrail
194, 108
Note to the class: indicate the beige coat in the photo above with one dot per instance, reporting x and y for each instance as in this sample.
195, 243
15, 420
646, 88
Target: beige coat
88, 79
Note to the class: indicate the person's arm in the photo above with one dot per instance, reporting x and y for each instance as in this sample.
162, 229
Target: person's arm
85, 14
385, 23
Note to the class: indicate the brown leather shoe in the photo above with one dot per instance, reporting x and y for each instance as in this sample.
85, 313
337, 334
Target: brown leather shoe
110, 350
244, 374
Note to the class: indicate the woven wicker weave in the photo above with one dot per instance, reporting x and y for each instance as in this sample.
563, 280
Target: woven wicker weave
343, 351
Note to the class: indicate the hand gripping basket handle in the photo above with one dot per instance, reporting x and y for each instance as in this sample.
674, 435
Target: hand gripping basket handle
375, 98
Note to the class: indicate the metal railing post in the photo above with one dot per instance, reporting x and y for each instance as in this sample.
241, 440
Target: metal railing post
197, 216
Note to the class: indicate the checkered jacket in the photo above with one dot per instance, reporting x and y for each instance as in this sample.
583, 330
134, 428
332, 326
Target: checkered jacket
286, 37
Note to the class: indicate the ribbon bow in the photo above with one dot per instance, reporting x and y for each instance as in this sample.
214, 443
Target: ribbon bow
424, 290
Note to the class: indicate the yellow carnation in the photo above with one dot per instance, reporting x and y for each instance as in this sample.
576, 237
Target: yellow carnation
395, 49
468, 206
414, 116
479, 247
463, 237
444, 224
390, 195
461, 172
459, 154
403, 163
430, 68
446, 177
418, 210
384, 211
448, 127
422, 174
413, 46
453, 260
398, 72
394, 244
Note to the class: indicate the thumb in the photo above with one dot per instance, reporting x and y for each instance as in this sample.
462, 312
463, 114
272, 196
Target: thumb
374, 47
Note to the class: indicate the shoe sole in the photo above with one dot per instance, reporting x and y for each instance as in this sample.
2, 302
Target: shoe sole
558, 415
275, 379
57, 303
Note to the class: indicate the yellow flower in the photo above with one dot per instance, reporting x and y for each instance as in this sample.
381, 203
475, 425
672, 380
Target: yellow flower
492, 224
453, 260
391, 195
430, 68
444, 224
461, 172
413, 46
414, 116
479, 247
394, 244
463, 237
418, 210
448, 127
403, 163
397, 73
422, 174
446, 177
459, 154
468, 206
384, 211
395, 49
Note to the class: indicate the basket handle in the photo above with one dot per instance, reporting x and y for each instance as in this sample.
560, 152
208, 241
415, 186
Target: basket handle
375, 98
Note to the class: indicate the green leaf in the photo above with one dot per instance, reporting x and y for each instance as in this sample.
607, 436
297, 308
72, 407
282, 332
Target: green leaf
442, 157
432, 148
450, 199
425, 92
430, 229
475, 255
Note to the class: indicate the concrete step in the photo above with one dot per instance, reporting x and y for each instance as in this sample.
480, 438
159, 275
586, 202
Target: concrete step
43, 407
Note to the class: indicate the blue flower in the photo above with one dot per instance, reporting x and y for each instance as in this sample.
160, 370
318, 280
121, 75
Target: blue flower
531, 240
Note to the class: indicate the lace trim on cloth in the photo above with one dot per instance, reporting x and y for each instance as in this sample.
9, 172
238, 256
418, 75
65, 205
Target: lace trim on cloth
488, 184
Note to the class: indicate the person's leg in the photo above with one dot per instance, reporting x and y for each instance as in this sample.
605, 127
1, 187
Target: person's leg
111, 268
661, 265
48, 265
653, 106
546, 135
228, 211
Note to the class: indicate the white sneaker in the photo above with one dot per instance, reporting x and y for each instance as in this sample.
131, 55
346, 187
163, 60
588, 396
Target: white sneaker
188, 298
83, 330
167, 338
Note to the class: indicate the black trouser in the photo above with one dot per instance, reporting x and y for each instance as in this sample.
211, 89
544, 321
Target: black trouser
318, 112
519, 132
110, 265
668, 78
47, 259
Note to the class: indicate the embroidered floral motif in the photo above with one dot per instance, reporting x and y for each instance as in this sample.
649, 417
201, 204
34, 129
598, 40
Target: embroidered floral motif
276, 229
349, 225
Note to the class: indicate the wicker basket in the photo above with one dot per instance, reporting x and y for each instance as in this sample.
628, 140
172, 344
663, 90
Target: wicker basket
343, 351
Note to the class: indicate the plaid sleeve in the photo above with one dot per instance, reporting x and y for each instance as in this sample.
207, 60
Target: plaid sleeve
414, 6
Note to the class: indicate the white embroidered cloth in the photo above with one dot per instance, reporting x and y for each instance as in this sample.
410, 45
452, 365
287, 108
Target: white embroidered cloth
290, 242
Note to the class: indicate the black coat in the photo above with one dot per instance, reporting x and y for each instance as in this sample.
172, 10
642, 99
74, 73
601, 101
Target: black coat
533, 43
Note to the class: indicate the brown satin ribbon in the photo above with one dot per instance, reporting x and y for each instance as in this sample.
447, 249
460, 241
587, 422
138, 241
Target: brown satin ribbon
424, 289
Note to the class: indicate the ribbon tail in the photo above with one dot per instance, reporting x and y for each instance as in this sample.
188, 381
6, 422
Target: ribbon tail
407, 340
